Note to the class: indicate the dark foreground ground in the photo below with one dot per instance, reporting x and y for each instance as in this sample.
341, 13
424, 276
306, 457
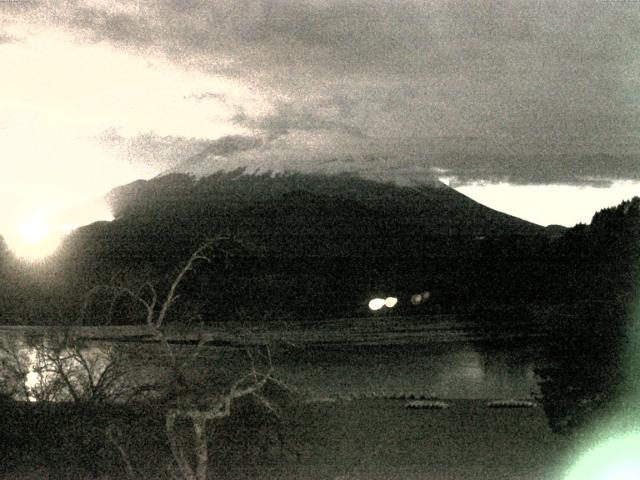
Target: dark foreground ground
365, 439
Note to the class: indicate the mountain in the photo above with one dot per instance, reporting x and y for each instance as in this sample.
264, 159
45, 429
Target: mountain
436, 208
555, 230
305, 246
302, 215
309, 244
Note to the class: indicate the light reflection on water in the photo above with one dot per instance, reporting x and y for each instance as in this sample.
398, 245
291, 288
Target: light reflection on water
46, 369
466, 370
453, 371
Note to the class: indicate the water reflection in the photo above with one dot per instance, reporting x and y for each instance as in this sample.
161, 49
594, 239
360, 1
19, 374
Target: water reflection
511, 368
453, 370
61, 368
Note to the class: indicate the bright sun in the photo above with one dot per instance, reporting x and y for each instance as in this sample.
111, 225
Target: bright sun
34, 234
35, 238
34, 230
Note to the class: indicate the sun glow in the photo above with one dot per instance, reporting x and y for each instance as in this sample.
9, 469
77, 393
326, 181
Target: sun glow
34, 237
34, 230
34, 233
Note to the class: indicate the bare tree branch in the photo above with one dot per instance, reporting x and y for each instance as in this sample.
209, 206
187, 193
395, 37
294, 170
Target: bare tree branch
187, 403
131, 474
171, 295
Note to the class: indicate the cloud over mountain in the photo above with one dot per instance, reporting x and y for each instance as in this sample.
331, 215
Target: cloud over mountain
483, 92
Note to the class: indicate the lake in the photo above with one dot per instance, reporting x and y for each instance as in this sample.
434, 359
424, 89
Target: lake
443, 356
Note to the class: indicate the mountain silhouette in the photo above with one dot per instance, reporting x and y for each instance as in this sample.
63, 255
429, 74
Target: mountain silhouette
434, 208
330, 241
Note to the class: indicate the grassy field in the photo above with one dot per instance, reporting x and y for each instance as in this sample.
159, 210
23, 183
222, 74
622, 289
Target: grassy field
381, 439
368, 439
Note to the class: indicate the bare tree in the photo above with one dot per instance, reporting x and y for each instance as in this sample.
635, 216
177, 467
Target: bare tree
14, 368
62, 367
189, 402
69, 368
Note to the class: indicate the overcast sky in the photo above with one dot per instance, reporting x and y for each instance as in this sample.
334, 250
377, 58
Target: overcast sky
530, 107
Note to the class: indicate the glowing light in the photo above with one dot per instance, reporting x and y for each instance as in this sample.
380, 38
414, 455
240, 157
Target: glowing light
34, 230
70, 110
34, 238
419, 298
616, 459
390, 302
32, 380
376, 304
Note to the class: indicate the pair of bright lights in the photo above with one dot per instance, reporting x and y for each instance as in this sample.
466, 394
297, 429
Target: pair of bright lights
378, 303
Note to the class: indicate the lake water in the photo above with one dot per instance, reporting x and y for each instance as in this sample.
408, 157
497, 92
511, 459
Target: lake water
441, 356
452, 370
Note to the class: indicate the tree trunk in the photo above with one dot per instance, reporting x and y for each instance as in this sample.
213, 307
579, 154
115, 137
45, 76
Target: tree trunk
202, 455
183, 465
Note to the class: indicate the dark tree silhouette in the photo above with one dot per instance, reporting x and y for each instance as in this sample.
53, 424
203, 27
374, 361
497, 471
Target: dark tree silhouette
583, 376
